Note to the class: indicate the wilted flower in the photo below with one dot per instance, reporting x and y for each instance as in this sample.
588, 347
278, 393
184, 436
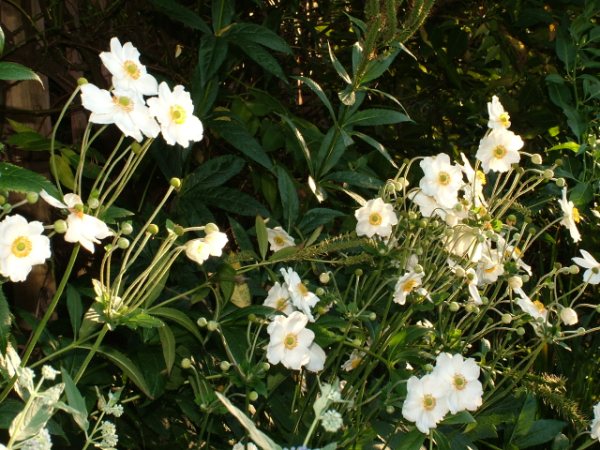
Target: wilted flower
465, 391
22, 245
425, 402
278, 298
174, 111
498, 117
301, 297
592, 274
375, 218
498, 150
278, 238
568, 316
354, 360
290, 341
570, 216
49, 373
442, 180
123, 108
331, 420
40, 441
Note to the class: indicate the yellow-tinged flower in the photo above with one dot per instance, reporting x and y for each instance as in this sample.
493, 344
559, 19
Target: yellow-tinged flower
498, 150
279, 238
570, 216
375, 218
498, 117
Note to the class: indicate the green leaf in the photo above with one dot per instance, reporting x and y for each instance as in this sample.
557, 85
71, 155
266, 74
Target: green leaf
338, 66
261, 236
240, 236
376, 68
301, 142
178, 317
29, 140
573, 146
283, 254
235, 133
565, 50
5, 321
214, 172
460, 418
288, 195
75, 401
167, 341
211, 55
222, 13
11, 71
331, 149
376, 116
526, 417
142, 319
376, 145
234, 201
581, 194
541, 431
227, 280
318, 90
126, 365
75, 308
59, 165
355, 179
410, 441
263, 58
259, 35
19, 179
316, 217
180, 13
257, 436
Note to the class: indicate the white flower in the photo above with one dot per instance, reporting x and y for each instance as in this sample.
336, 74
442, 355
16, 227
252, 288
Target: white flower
248, 446
22, 245
405, 285
465, 242
197, 250
331, 420
278, 297
375, 218
49, 373
123, 108
82, 228
290, 341
498, 150
278, 238
595, 425
354, 360
498, 118
569, 316
123, 62
592, 274
461, 375
490, 266
174, 111
472, 281
425, 402
535, 309
108, 432
442, 180
215, 239
570, 216
428, 206
316, 362
476, 180
301, 297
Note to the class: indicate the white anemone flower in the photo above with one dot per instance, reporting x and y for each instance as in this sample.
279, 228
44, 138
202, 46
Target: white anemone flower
174, 111
279, 238
354, 360
472, 281
405, 285
465, 242
22, 245
490, 266
375, 218
197, 250
442, 180
215, 239
476, 180
425, 402
428, 205
123, 62
568, 316
278, 297
592, 274
595, 425
570, 216
123, 108
290, 341
302, 298
316, 362
461, 375
498, 117
83, 228
498, 150
535, 309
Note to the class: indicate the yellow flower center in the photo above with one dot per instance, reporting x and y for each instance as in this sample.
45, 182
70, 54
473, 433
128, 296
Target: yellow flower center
290, 341
302, 289
409, 285
124, 103
278, 240
428, 402
444, 178
504, 119
540, 306
132, 69
481, 177
355, 362
576, 215
459, 382
500, 152
21, 247
178, 114
375, 219
490, 269
281, 304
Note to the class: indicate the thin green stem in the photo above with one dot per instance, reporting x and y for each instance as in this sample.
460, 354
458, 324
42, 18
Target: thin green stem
91, 353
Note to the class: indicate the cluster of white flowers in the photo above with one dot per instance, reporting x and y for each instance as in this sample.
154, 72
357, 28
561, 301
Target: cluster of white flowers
199, 250
452, 386
292, 295
170, 112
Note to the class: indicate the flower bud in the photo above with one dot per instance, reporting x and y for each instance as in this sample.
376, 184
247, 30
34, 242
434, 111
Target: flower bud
186, 363
358, 272
515, 282
178, 230
324, 278
319, 291
428, 367
471, 308
224, 366
460, 272
536, 158
202, 322
569, 316
175, 183
210, 228
574, 269
418, 268
558, 162
390, 409
252, 396
520, 331
152, 228
93, 202
265, 366
32, 197
7, 207
126, 228
485, 346
81, 81
2, 199
560, 182
548, 173
372, 316
506, 318
511, 220
453, 306
136, 148
212, 325
60, 226
123, 243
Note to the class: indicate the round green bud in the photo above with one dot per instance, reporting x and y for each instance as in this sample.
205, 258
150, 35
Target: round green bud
372, 316
93, 202
511, 220
574, 269
423, 223
412, 215
152, 228
32, 197
357, 342
136, 148
418, 268
453, 306
598, 309
506, 318
252, 318
428, 367
60, 226
126, 228
175, 183
210, 228
560, 182
471, 308
358, 272
212, 325
108, 247
265, 366
202, 322
178, 230
224, 366
548, 173
520, 331
319, 291
186, 363
81, 81
485, 346
536, 158
324, 278
460, 272
580, 330
390, 409
123, 243
558, 162
7, 207
2, 199
252, 396
519, 170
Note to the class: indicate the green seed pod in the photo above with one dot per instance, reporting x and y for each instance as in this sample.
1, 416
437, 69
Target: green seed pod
175, 182
32, 197
253, 396
202, 322
60, 226
152, 229
126, 228
212, 325
186, 363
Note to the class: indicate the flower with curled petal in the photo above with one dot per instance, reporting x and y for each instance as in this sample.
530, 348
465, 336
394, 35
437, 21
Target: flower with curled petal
592, 274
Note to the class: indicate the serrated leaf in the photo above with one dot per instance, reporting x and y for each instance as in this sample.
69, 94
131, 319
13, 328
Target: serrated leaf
235, 133
178, 317
18, 179
180, 13
259, 35
76, 401
167, 341
11, 71
261, 236
263, 58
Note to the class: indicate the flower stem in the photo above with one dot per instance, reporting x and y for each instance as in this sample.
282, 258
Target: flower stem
91, 353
